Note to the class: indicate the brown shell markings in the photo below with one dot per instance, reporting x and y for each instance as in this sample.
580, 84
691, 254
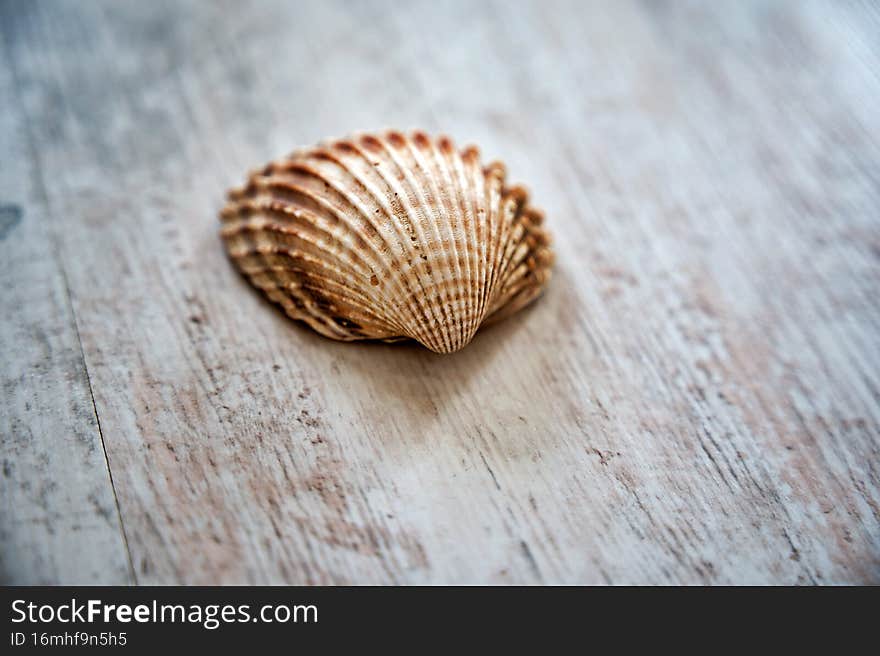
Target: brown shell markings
389, 236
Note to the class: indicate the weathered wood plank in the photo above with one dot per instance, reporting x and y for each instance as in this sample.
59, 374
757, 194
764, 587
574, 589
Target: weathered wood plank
695, 400
59, 523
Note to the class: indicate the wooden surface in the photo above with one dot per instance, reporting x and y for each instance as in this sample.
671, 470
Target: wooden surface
696, 399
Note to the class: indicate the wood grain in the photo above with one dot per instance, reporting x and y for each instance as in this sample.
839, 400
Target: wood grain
59, 523
695, 400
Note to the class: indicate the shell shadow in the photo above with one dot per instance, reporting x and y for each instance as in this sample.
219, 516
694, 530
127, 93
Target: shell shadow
406, 369
407, 378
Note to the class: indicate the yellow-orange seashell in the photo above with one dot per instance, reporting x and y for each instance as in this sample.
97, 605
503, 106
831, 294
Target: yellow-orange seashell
389, 236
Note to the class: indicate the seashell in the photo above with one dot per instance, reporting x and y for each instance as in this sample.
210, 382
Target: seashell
389, 236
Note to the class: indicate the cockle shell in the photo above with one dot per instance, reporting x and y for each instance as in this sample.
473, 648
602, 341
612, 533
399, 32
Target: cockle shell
389, 236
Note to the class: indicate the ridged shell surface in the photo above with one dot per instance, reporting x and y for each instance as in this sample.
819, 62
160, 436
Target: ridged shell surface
389, 236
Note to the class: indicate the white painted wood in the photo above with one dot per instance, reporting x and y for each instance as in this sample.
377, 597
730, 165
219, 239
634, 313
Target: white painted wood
695, 400
59, 523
